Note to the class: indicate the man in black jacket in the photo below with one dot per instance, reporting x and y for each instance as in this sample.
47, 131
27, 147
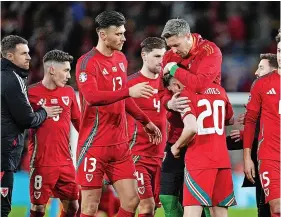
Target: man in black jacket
16, 112
268, 63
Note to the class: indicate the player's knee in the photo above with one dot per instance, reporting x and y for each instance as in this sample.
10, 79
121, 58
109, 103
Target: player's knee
131, 203
275, 208
73, 207
147, 206
38, 208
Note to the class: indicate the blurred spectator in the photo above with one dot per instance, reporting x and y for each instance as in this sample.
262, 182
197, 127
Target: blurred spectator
243, 29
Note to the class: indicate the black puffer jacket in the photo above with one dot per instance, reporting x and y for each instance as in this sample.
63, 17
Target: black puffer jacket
16, 114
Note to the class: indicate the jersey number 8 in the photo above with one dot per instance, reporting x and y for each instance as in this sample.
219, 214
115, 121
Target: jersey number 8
211, 110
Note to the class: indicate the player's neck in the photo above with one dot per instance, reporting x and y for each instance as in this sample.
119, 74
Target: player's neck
104, 50
48, 83
146, 73
279, 70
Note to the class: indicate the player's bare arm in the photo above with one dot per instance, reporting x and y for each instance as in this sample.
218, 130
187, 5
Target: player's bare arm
188, 133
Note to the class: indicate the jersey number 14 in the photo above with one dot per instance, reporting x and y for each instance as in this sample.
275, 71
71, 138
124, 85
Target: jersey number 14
215, 110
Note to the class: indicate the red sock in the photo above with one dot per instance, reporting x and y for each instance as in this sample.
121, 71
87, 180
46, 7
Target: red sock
275, 214
145, 215
36, 214
84, 215
124, 213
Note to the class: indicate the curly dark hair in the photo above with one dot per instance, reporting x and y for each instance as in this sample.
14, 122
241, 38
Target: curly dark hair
57, 56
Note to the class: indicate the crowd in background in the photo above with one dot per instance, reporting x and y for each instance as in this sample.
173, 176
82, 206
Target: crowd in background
242, 30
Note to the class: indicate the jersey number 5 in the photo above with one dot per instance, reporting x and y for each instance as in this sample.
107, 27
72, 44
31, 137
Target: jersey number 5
214, 111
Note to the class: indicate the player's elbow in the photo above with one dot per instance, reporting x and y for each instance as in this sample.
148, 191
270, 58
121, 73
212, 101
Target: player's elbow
192, 129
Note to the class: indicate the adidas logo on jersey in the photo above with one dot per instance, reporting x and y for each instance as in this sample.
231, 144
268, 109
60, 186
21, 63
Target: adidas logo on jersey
105, 72
271, 92
212, 91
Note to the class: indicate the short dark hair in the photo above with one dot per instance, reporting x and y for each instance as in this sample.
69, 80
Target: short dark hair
150, 43
57, 56
9, 43
278, 37
109, 18
166, 80
272, 59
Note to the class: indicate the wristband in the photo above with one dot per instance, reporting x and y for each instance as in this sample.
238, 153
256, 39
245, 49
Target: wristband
173, 70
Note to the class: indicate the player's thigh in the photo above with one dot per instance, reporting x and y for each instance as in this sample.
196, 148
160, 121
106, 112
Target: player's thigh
126, 190
197, 191
192, 211
223, 193
66, 187
42, 183
269, 172
121, 165
171, 183
90, 198
91, 167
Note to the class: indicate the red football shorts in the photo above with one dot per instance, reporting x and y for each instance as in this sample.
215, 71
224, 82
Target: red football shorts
114, 161
208, 187
148, 171
58, 182
269, 171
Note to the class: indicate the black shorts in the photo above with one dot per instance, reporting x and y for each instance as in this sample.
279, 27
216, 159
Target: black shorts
172, 173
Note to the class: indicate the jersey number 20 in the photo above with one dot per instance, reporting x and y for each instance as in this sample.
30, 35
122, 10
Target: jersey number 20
215, 112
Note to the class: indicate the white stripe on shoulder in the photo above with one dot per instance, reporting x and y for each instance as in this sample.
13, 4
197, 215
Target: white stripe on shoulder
23, 87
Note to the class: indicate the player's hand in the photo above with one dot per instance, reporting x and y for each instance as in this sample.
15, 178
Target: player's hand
241, 118
178, 104
168, 67
153, 132
235, 134
175, 151
52, 111
249, 170
141, 90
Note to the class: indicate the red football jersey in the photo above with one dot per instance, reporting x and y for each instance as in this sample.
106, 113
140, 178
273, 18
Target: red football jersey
104, 78
152, 107
200, 68
212, 109
265, 98
49, 144
176, 126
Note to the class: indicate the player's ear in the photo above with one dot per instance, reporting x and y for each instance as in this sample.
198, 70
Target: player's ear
10, 56
102, 34
143, 56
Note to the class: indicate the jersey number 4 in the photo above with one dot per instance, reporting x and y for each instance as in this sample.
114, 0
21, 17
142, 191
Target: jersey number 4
216, 110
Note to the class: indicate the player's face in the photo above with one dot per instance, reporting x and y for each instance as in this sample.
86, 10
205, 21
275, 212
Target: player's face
153, 60
175, 86
20, 57
115, 37
279, 54
60, 73
263, 68
180, 44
